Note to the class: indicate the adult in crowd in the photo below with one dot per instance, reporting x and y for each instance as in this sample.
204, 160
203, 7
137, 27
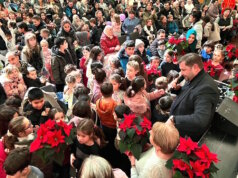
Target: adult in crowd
130, 23
213, 10
194, 107
161, 34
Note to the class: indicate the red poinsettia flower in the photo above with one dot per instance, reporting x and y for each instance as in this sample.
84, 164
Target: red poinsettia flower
230, 55
182, 166
127, 122
49, 124
41, 134
236, 53
205, 155
146, 123
55, 138
35, 145
172, 40
229, 47
236, 76
67, 128
198, 167
235, 99
187, 146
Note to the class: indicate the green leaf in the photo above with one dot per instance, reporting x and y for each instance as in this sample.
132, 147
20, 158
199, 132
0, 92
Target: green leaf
122, 135
169, 163
59, 157
136, 150
178, 175
122, 147
213, 168
130, 132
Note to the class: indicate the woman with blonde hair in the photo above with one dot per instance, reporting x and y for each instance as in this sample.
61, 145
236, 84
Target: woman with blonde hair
12, 81
31, 52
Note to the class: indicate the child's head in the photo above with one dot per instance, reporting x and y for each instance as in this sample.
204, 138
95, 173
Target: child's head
82, 109
92, 22
57, 114
130, 47
77, 74
61, 43
69, 68
208, 46
161, 45
170, 18
17, 162
14, 101
31, 73
140, 45
149, 22
168, 55
172, 75
218, 56
218, 46
86, 51
12, 72
44, 45
114, 62
132, 69
70, 81
100, 75
36, 98
95, 66
30, 40
96, 54
36, 20
106, 89
44, 33
78, 91
117, 82
154, 62
165, 103
161, 83
137, 85
85, 131
120, 110
164, 137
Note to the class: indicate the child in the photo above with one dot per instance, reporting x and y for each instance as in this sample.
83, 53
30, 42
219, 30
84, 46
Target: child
140, 50
149, 31
45, 35
12, 81
94, 34
161, 48
132, 71
78, 76
87, 142
118, 84
105, 108
206, 52
138, 99
69, 90
31, 79
46, 53
168, 64
36, 109
57, 115
114, 63
161, 113
83, 63
172, 26
116, 24
154, 63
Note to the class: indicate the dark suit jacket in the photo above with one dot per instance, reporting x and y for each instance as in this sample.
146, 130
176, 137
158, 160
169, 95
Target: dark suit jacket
194, 107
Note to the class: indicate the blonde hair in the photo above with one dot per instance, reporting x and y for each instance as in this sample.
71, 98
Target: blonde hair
165, 136
10, 68
96, 167
27, 50
44, 42
134, 64
161, 83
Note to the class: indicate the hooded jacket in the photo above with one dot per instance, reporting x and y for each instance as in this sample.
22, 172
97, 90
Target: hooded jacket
105, 109
58, 62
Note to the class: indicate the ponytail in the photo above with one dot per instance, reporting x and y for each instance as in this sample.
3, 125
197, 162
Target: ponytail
98, 134
136, 85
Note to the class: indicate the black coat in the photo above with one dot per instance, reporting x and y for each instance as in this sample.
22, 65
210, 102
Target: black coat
194, 107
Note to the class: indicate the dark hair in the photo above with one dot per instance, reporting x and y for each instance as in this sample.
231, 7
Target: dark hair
69, 68
138, 59
160, 31
207, 19
84, 98
197, 15
36, 17
106, 89
88, 127
95, 66
95, 51
53, 111
116, 62
165, 102
78, 91
122, 109
82, 109
100, 75
92, 20
59, 41
35, 94
129, 43
119, 71
17, 160
190, 59
136, 85
119, 79
172, 75
14, 101
154, 58
86, 48
6, 115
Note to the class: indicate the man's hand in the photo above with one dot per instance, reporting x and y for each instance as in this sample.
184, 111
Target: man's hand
170, 121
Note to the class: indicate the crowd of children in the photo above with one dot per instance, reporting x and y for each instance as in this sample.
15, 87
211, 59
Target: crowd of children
67, 61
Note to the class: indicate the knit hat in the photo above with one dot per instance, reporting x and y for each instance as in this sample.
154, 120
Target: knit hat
138, 42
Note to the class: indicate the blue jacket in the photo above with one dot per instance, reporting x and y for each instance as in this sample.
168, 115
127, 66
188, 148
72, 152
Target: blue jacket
205, 56
123, 57
172, 27
129, 24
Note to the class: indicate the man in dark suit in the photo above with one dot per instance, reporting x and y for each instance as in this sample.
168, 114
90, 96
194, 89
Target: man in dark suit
194, 107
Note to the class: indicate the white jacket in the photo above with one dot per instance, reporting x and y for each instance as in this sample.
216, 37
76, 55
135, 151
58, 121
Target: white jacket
199, 29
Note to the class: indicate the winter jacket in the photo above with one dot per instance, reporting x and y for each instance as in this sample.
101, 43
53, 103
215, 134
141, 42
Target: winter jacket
123, 57
108, 45
58, 62
212, 35
199, 29
140, 103
129, 25
105, 109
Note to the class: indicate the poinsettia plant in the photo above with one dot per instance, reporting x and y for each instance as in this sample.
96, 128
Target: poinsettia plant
52, 140
191, 160
234, 86
177, 44
134, 134
231, 52
153, 73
